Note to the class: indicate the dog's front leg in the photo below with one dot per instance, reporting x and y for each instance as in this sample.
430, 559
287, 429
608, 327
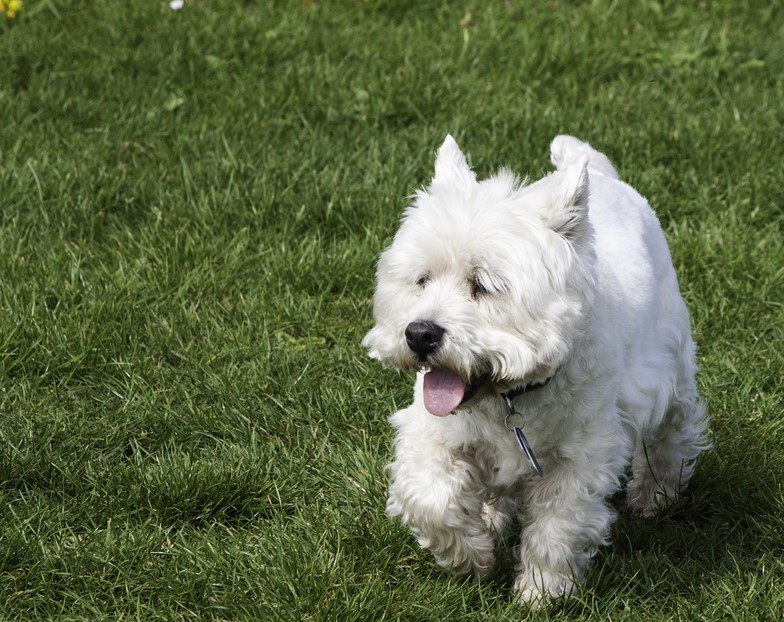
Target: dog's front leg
565, 519
436, 491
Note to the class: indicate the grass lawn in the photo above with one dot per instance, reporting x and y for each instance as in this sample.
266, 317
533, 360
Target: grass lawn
191, 207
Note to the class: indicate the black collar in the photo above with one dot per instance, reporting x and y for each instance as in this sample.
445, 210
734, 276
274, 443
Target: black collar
527, 388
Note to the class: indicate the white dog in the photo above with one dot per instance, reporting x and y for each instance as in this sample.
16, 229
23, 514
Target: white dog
546, 320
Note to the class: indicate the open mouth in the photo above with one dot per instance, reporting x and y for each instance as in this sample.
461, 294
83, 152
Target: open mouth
444, 391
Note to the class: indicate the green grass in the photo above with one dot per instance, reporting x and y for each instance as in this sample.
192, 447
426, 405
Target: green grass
191, 206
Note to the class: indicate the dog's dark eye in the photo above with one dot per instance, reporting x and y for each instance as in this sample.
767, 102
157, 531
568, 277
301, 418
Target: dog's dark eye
423, 280
477, 288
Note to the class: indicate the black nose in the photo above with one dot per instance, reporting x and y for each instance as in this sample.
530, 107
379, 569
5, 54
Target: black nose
423, 337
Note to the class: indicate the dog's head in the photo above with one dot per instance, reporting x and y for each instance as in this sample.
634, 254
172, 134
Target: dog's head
485, 281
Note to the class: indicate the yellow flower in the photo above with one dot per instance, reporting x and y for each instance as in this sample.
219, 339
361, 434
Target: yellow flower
10, 7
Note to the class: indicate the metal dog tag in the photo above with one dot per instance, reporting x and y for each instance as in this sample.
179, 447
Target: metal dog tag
526, 449
522, 442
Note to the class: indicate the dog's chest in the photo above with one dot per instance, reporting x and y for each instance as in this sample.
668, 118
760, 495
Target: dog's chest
498, 458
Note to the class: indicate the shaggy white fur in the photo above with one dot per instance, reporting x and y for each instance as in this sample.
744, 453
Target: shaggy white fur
491, 286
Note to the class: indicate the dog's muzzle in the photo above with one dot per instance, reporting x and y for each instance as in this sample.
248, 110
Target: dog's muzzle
424, 338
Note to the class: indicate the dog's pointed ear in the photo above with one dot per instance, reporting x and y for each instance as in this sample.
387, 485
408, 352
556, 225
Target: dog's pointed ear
568, 209
451, 163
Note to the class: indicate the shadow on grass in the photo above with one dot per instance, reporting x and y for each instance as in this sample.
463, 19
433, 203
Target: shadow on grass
727, 520
711, 538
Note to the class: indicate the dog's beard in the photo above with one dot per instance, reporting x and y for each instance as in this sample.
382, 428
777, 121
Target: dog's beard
474, 360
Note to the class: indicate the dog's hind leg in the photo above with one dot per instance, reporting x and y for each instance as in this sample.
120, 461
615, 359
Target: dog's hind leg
498, 515
665, 461
437, 492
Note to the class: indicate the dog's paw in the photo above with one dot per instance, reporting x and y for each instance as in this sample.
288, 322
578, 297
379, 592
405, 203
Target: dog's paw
497, 516
474, 556
647, 497
537, 588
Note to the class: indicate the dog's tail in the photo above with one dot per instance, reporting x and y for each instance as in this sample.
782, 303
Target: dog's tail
566, 150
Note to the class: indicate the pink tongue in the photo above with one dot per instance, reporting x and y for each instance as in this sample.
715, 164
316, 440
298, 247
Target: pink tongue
443, 392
